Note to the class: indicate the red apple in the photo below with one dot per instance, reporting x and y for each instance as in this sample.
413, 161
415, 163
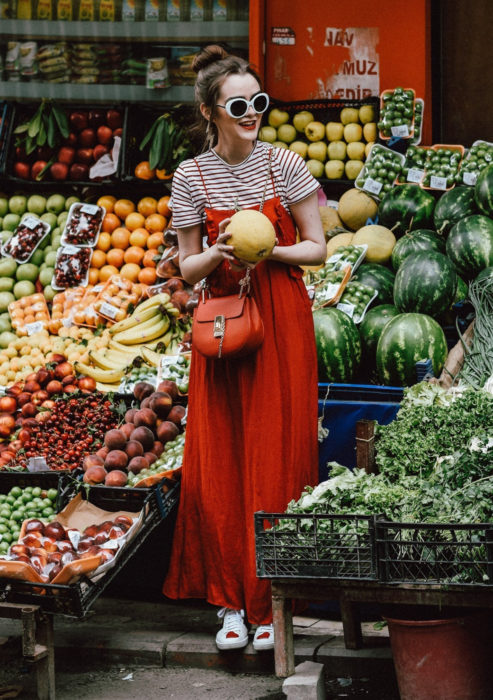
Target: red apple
118, 132
99, 151
104, 135
37, 167
96, 118
22, 170
66, 154
113, 119
78, 120
71, 140
79, 171
85, 155
59, 171
87, 138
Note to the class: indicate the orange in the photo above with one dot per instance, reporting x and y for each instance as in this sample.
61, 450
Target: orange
123, 207
115, 257
108, 202
106, 272
155, 240
147, 206
134, 254
98, 259
130, 271
149, 258
110, 223
93, 275
134, 220
147, 276
120, 238
155, 222
163, 206
143, 171
139, 237
104, 241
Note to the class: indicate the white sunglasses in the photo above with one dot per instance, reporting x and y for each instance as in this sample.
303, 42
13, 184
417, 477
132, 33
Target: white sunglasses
237, 107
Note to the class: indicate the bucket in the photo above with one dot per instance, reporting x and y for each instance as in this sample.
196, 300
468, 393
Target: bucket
446, 659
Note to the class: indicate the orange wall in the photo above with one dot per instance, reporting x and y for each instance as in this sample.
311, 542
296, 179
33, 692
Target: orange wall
299, 72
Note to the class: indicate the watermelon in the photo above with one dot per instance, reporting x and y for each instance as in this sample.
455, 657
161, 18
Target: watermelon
414, 241
405, 340
484, 274
462, 289
338, 345
378, 277
470, 245
483, 191
405, 208
453, 206
371, 328
426, 283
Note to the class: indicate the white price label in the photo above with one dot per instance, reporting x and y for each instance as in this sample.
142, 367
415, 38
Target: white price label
329, 291
97, 288
400, 131
348, 309
334, 258
36, 464
89, 209
469, 178
415, 175
108, 310
69, 250
373, 186
30, 221
74, 536
67, 322
438, 183
35, 327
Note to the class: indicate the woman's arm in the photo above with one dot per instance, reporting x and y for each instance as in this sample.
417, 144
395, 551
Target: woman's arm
195, 262
311, 250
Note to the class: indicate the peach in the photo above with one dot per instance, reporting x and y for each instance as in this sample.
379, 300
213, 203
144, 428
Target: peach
116, 478
137, 464
116, 459
142, 390
115, 439
145, 417
95, 475
176, 414
167, 431
161, 403
134, 449
143, 435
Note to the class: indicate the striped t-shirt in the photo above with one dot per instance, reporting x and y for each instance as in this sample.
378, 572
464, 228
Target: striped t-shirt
241, 185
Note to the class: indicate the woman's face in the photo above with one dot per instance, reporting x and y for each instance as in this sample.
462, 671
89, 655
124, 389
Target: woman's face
229, 128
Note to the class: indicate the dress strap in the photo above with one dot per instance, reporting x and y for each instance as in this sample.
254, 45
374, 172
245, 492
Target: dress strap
272, 179
269, 172
203, 182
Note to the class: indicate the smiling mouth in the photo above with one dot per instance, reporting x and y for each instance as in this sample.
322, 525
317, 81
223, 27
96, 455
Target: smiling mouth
250, 125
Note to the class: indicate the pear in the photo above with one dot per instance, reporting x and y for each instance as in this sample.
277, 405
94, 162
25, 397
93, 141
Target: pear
299, 147
334, 169
314, 131
279, 144
349, 115
301, 119
277, 117
370, 131
356, 150
286, 133
337, 150
316, 167
334, 131
318, 150
366, 114
353, 132
267, 133
353, 169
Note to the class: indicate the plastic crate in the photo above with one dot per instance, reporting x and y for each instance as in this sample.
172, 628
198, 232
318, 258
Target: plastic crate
434, 553
5, 119
75, 599
315, 546
45, 480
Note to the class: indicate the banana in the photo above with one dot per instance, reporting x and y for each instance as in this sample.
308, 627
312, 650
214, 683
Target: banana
144, 332
173, 348
120, 358
137, 317
128, 350
101, 386
156, 300
151, 357
145, 325
103, 361
100, 375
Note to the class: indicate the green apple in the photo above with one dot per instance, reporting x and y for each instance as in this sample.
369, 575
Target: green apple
18, 204
317, 150
8, 266
50, 258
55, 204
267, 133
5, 325
56, 241
277, 117
302, 119
280, 144
27, 272
62, 218
316, 167
299, 147
69, 201
5, 235
353, 168
356, 150
6, 337
334, 131
46, 275
44, 243
49, 218
11, 221
6, 298
4, 206
49, 293
315, 131
6, 284
286, 133
36, 204
334, 169
37, 257
23, 289
337, 150
57, 231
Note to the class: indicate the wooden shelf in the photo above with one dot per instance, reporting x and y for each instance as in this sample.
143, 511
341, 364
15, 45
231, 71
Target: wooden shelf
70, 92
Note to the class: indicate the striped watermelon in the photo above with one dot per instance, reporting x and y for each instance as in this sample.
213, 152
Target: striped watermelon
483, 191
414, 241
453, 206
405, 208
371, 328
470, 245
405, 340
338, 345
378, 277
426, 283
484, 274
462, 289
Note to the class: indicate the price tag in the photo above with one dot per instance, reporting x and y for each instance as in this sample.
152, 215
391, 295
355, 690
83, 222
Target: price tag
166, 361
108, 310
35, 327
438, 183
373, 186
67, 322
110, 544
37, 464
97, 288
31, 222
70, 250
89, 209
74, 536
469, 178
401, 131
329, 291
334, 258
415, 175
348, 309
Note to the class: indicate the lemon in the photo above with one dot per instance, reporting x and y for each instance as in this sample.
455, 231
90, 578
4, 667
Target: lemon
349, 115
334, 169
353, 132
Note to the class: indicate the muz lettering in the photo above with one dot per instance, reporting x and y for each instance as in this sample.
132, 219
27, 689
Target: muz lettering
363, 67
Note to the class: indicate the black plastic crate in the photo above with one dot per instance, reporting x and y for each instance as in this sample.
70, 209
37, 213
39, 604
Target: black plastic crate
435, 553
76, 599
45, 480
5, 119
21, 111
315, 546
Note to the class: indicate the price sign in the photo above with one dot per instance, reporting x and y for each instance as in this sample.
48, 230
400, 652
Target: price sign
469, 178
438, 183
37, 464
415, 175
89, 209
373, 186
108, 310
348, 309
35, 327
400, 131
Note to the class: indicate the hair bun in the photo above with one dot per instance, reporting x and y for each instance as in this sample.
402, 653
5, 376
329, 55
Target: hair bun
209, 54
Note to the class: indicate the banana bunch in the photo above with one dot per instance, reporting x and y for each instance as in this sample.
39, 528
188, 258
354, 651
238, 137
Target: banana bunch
48, 126
168, 144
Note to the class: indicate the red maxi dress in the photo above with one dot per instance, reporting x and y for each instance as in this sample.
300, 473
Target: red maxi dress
251, 437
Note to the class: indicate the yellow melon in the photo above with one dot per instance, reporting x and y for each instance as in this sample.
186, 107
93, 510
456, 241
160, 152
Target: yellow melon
380, 241
336, 241
355, 207
330, 219
252, 235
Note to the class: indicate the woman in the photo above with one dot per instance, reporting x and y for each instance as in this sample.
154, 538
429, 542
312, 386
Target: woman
252, 422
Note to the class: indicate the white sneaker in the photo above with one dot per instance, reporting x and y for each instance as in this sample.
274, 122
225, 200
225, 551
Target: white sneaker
264, 638
234, 634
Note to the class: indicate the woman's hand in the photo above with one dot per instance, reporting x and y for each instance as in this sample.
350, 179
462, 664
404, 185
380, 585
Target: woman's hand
227, 251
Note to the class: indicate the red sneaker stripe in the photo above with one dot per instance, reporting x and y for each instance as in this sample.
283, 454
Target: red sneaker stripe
231, 635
